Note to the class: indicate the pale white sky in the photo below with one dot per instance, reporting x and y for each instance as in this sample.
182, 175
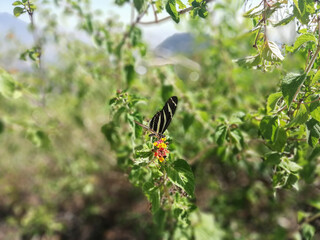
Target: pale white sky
153, 34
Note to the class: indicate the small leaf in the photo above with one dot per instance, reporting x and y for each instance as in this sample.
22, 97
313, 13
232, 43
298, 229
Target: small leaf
8, 86
16, 3
130, 73
220, 134
203, 12
293, 167
280, 140
297, 5
38, 138
17, 11
300, 116
290, 85
271, 52
268, 127
313, 132
237, 138
153, 195
316, 78
139, 5
249, 61
315, 109
272, 158
180, 174
172, 10
308, 37
181, 4
308, 231
272, 101
284, 21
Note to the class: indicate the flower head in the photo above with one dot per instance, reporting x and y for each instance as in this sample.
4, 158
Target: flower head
161, 149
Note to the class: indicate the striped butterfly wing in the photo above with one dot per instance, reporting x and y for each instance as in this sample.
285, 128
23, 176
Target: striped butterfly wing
161, 120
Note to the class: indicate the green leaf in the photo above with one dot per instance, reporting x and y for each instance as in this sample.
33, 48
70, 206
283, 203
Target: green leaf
237, 138
315, 203
121, 2
308, 37
280, 140
16, 3
297, 6
8, 86
203, 13
268, 127
249, 61
315, 108
172, 10
276, 136
38, 138
316, 78
272, 158
139, 5
284, 21
290, 85
313, 132
17, 11
159, 6
180, 174
293, 167
271, 52
181, 4
300, 116
135, 36
272, 101
308, 231
303, 9
153, 194
220, 134
143, 154
130, 73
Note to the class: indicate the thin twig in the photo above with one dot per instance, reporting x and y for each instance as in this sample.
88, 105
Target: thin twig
316, 100
265, 20
310, 219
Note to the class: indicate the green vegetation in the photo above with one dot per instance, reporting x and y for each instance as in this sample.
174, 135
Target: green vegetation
244, 152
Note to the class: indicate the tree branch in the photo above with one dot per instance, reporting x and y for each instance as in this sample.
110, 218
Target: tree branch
183, 11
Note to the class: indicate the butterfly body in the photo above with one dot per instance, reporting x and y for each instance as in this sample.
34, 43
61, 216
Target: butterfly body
161, 120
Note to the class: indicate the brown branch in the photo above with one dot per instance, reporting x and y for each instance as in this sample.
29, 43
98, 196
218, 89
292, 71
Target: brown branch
310, 219
183, 11
318, 99
265, 4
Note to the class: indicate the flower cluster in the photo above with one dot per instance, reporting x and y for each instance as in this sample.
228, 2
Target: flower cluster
161, 149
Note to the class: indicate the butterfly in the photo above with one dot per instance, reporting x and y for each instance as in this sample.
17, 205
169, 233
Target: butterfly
162, 119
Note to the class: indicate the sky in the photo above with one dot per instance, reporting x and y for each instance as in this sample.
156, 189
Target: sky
153, 34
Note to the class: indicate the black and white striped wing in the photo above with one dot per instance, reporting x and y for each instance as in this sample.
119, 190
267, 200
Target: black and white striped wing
161, 120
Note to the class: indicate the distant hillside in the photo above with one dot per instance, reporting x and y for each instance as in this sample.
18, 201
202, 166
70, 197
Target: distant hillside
11, 24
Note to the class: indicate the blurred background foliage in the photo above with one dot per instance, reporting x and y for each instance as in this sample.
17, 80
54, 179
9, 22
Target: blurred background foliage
61, 178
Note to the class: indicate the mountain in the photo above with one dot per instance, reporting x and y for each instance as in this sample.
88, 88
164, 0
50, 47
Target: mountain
11, 24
